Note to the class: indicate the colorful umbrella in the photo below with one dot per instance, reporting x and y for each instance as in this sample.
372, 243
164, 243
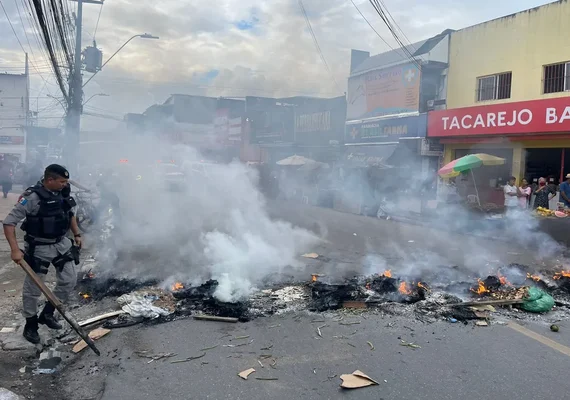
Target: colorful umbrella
467, 163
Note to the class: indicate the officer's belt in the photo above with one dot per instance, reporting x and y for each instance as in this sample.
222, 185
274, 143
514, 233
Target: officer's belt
33, 241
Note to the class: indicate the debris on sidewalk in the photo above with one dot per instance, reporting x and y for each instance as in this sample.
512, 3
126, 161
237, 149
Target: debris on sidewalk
94, 334
188, 359
356, 380
246, 373
481, 323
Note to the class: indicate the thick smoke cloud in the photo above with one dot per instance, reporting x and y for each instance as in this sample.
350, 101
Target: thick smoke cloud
216, 227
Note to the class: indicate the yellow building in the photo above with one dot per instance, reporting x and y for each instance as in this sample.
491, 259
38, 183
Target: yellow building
515, 65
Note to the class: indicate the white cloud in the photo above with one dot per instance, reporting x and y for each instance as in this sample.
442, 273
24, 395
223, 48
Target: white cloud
275, 57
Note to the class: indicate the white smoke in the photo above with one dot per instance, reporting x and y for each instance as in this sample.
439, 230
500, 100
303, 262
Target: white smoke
216, 227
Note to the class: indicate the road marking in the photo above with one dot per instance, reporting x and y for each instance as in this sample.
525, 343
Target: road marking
539, 338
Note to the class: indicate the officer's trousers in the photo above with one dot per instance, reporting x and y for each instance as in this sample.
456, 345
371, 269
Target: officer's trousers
66, 278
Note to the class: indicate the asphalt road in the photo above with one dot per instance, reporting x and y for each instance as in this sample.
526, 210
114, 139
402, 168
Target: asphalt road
454, 362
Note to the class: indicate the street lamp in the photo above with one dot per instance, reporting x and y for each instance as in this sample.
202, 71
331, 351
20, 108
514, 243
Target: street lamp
95, 95
142, 36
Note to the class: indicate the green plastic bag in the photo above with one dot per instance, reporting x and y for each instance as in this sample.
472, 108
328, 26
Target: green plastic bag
538, 301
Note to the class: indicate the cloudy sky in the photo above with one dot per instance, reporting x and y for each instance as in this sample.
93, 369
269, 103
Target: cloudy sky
227, 47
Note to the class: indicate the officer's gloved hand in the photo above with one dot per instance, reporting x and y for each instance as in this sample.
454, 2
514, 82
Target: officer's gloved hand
66, 191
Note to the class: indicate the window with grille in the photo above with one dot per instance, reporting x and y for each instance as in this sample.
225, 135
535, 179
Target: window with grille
557, 77
494, 87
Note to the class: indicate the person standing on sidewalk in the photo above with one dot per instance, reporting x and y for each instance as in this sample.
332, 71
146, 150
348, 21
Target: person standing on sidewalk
47, 209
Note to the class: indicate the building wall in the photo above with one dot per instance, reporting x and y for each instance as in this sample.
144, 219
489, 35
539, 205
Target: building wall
522, 43
14, 107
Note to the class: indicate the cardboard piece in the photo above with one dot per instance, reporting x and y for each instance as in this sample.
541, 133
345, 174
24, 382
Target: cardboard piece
94, 335
311, 255
246, 373
357, 379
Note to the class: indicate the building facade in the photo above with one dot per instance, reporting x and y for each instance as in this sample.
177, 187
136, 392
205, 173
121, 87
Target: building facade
387, 102
508, 95
14, 115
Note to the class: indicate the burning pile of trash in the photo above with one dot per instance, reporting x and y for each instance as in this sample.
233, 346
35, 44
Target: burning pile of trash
151, 300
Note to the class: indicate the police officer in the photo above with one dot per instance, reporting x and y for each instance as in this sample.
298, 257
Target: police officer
47, 209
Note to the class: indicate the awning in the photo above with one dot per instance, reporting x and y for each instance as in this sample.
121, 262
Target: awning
369, 156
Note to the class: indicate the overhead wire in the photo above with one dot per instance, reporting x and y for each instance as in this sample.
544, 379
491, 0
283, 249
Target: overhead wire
316, 42
97, 24
380, 11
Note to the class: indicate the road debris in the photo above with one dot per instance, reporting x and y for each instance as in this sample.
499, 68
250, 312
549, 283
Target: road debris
94, 335
148, 303
267, 348
356, 380
188, 359
554, 328
241, 337
209, 348
311, 255
259, 362
266, 379
154, 357
481, 323
205, 317
100, 318
371, 345
274, 326
410, 345
349, 323
319, 329
246, 373
7, 330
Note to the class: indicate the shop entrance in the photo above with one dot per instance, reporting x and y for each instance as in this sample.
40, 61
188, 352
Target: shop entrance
551, 164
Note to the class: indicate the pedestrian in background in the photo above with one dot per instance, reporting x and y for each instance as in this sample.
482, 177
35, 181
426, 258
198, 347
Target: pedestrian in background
511, 194
524, 194
543, 194
6, 177
565, 192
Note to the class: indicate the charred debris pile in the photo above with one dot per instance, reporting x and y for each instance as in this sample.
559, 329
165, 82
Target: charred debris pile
508, 287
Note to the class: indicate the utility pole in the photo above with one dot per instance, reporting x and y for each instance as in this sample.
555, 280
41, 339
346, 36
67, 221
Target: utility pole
74, 107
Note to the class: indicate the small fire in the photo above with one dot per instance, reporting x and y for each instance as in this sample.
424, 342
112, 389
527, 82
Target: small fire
561, 274
421, 285
404, 288
388, 273
177, 286
480, 287
535, 278
314, 277
84, 295
503, 280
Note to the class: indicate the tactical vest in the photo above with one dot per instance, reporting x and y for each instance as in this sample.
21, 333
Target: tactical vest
53, 219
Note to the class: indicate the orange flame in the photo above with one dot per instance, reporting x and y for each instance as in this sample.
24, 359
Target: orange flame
314, 277
404, 288
84, 295
503, 279
535, 278
421, 285
388, 273
480, 287
177, 286
561, 274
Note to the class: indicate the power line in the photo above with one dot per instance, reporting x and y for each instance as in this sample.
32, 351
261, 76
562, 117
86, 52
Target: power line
97, 24
397, 26
315, 41
375, 31
12, 26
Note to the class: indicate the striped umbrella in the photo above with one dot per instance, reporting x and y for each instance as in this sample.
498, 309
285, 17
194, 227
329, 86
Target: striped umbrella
467, 163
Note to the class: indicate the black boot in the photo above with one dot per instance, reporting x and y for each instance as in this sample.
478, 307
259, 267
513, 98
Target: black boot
31, 330
46, 317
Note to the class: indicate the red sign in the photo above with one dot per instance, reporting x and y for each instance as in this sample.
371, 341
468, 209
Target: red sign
537, 116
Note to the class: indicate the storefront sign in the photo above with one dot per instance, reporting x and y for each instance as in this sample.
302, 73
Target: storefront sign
319, 122
271, 121
386, 130
538, 116
384, 91
315, 122
227, 130
11, 140
369, 156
